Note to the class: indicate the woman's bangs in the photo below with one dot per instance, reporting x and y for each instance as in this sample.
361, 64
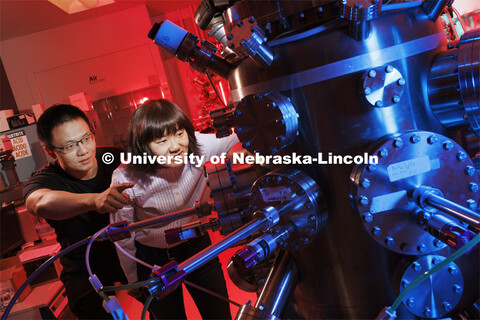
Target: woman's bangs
158, 127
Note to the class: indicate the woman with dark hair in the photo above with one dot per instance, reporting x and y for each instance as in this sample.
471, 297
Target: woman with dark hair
159, 128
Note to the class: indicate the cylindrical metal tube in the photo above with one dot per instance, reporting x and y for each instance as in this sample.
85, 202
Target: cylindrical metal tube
249, 312
157, 221
455, 210
267, 216
437, 224
218, 66
447, 230
279, 285
260, 248
209, 253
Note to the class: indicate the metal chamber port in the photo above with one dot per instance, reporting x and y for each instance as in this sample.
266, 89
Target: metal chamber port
344, 273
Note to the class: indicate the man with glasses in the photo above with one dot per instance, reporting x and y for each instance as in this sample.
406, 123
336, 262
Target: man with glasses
73, 194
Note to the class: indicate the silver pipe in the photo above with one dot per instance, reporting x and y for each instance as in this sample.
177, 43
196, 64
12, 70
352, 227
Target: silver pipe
455, 210
157, 221
266, 220
279, 285
209, 253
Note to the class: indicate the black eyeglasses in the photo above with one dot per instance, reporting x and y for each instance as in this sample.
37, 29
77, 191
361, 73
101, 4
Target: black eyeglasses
71, 146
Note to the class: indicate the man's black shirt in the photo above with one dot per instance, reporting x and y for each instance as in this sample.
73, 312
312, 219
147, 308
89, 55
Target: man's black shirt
103, 257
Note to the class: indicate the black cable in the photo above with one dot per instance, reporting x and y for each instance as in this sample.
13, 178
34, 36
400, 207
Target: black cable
128, 286
215, 88
188, 283
145, 307
40, 269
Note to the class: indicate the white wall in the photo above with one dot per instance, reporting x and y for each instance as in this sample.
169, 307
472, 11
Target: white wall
48, 66
466, 6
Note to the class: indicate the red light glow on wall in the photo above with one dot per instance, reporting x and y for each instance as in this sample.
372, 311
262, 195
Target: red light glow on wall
143, 100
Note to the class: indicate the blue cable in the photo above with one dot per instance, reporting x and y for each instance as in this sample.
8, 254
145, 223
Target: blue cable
87, 253
40, 269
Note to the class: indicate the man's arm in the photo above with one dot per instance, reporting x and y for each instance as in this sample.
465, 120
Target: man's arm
61, 205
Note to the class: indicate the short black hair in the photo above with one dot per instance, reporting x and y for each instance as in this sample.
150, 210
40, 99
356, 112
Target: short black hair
55, 116
153, 120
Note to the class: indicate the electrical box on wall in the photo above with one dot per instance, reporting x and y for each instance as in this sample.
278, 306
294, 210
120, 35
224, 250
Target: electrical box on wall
38, 110
81, 100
